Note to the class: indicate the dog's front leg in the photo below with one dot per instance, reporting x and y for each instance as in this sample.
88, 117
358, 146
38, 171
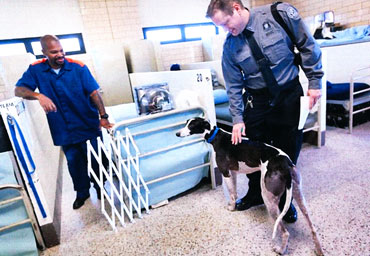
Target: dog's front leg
230, 181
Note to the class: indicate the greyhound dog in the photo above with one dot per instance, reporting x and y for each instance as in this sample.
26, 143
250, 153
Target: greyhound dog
278, 174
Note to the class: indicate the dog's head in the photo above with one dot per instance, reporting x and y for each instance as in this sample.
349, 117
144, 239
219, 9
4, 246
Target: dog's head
195, 125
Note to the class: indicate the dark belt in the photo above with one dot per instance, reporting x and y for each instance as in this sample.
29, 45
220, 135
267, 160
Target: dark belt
285, 87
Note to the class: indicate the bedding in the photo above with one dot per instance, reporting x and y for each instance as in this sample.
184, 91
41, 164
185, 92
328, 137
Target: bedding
340, 91
352, 35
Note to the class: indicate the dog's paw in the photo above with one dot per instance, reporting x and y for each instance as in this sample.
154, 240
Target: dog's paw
278, 250
319, 252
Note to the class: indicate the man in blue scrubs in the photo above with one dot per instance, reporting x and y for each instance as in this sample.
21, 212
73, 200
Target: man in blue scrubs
74, 108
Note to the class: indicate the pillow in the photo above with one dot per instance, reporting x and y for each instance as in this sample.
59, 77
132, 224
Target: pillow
220, 96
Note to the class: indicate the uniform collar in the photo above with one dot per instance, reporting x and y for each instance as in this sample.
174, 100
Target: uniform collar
249, 26
66, 66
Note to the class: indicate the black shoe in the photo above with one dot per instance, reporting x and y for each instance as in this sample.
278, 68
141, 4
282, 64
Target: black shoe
79, 202
247, 202
291, 215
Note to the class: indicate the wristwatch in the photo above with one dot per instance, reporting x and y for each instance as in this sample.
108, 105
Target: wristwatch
105, 116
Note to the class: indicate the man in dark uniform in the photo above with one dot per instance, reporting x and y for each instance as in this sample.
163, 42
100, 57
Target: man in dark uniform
69, 95
250, 99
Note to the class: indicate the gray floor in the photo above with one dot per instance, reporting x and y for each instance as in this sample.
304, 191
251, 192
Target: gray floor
335, 182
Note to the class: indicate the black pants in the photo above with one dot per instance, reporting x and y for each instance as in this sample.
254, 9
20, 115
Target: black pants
277, 126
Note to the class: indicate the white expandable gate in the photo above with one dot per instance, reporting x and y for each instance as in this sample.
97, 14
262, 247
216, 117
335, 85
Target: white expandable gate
130, 166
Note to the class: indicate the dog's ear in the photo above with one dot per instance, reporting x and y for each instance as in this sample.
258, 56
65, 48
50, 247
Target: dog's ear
207, 125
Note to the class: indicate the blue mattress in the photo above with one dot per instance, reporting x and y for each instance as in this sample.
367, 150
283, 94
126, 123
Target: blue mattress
19, 240
340, 91
223, 112
354, 35
169, 161
222, 106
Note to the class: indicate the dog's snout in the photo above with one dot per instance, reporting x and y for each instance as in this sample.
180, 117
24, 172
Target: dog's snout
178, 134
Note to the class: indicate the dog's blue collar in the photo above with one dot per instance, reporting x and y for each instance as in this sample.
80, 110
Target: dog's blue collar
210, 139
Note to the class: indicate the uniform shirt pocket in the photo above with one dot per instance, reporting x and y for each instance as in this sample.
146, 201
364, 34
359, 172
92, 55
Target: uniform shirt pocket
244, 59
275, 47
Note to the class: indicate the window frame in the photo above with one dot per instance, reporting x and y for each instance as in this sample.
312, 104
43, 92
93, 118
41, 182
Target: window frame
182, 30
27, 41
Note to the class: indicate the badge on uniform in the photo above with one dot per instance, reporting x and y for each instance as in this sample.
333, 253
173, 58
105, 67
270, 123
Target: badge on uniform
266, 26
292, 13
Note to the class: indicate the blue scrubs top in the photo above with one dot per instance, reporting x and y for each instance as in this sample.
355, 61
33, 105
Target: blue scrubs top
77, 118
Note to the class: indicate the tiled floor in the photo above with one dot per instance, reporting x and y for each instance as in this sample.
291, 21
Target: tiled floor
336, 181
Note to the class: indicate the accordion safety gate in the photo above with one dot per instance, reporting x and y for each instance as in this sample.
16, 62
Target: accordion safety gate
148, 164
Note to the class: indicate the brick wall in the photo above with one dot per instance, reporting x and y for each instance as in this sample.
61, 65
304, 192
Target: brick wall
180, 53
346, 12
110, 20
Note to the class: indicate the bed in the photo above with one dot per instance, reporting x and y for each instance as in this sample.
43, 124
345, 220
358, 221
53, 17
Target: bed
148, 163
349, 100
348, 76
354, 35
18, 226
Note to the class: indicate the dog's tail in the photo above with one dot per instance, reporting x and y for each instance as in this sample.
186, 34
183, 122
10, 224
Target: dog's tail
288, 200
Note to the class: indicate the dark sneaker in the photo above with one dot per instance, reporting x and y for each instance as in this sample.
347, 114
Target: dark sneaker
247, 202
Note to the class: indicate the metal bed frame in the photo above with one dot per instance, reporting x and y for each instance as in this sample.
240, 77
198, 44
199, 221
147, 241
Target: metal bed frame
352, 101
31, 216
356, 75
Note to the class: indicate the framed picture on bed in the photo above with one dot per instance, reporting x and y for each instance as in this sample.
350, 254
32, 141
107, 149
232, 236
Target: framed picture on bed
153, 98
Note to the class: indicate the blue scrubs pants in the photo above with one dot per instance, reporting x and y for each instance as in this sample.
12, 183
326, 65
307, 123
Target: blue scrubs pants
76, 155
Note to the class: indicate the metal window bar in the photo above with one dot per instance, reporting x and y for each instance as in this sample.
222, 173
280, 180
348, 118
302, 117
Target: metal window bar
352, 93
31, 216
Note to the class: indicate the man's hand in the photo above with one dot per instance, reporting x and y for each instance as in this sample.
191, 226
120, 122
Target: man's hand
238, 131
46, 103
315, 95
105, 123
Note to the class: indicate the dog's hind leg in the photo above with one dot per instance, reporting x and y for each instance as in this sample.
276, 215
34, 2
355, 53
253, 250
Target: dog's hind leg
271, 200
272, 204
299, 198
231, 187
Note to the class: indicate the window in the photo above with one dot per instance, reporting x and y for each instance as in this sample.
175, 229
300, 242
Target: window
180, 33
12, 48
72, 44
